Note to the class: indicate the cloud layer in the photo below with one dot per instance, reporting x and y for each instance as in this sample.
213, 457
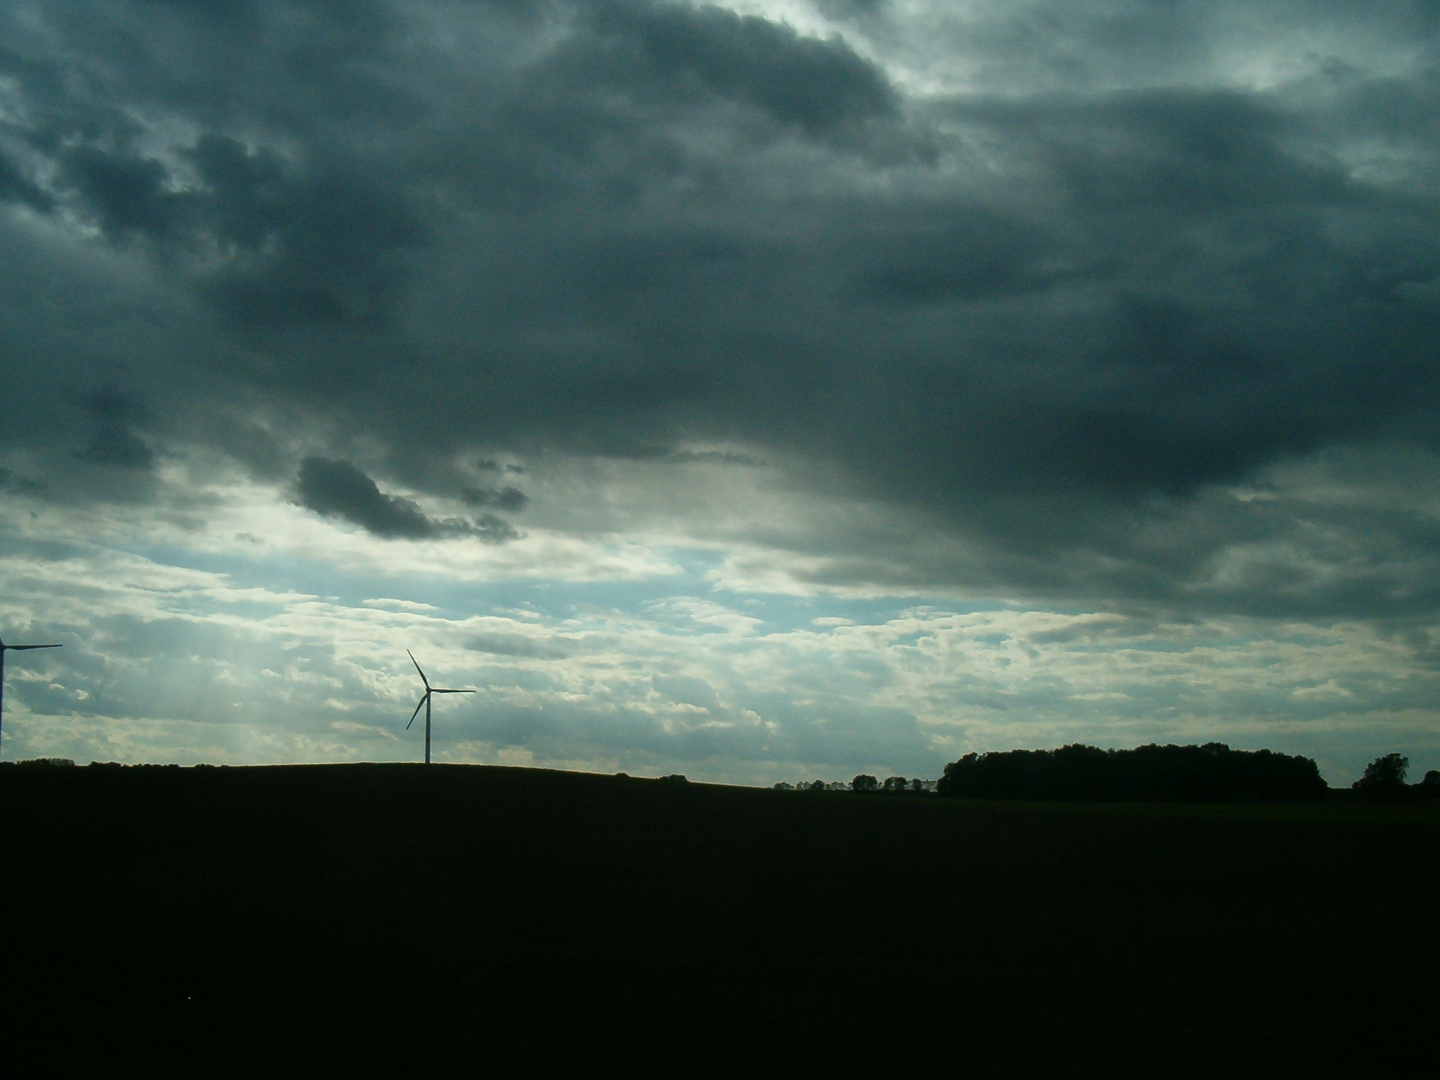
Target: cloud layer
1054, 313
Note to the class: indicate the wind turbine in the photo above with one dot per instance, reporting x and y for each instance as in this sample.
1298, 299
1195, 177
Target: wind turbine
425, 701
14, 648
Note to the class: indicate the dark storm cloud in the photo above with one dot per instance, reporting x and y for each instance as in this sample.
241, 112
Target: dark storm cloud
116, 440
117, 446
17, 187
982, 254
339, 489
290, 247
1053, 324
22, 485
126, 193
672, 52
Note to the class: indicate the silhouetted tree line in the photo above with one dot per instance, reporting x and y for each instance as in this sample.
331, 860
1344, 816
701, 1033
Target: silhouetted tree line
68, 763
866, 784
813, 785
1384, 781
43, 763
891, 785
1078, 773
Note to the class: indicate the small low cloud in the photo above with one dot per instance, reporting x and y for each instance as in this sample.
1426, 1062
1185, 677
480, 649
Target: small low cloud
488, 527
506, 498
515, 645
390, 604
340, 489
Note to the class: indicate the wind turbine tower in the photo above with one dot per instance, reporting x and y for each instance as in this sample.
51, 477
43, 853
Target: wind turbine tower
423, 701
21, 648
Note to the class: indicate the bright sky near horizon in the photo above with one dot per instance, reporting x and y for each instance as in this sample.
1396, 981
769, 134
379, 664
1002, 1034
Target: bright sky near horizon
761, 392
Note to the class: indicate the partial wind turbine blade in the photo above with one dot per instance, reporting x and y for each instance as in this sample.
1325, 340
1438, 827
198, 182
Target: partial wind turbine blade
418, 668
417, 709
17, 648
438, 690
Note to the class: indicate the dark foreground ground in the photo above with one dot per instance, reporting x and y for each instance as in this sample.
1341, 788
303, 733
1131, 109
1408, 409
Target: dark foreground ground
393, 920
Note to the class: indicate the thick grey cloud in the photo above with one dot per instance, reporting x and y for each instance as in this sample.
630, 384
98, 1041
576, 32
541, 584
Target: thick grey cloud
1052, 280
673, 52
17, 187
116, 440
289, 248
9, 481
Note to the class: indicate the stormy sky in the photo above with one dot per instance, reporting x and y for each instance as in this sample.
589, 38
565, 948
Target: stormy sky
777, 390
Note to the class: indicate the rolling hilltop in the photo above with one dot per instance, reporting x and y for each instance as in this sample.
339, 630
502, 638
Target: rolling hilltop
379, 918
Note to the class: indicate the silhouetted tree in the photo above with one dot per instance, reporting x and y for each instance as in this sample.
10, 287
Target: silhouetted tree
1430, 786
1146, 774
1384, 778
893, 785
864, 782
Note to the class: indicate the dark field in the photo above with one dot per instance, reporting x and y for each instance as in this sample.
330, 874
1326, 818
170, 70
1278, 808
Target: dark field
385, 919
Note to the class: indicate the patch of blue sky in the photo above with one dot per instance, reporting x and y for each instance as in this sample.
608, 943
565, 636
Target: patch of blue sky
532, 597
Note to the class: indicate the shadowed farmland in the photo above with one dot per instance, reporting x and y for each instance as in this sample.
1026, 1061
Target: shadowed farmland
381, 917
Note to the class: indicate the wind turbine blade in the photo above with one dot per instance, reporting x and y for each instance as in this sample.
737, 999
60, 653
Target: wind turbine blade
17, 648
418, 668
417, 709
438, 690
